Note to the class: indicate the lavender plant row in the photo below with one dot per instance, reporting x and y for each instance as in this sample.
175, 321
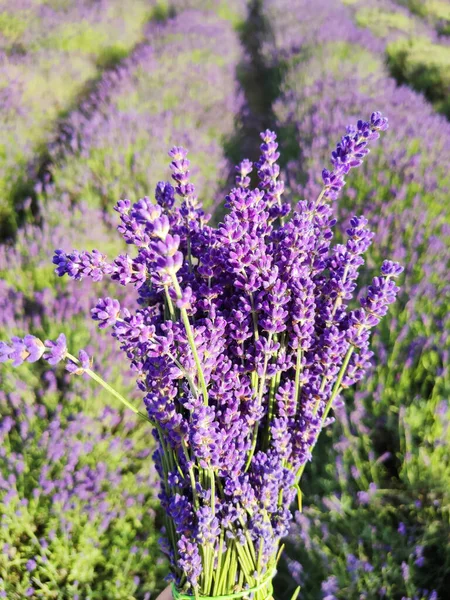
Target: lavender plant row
59, 197
403, 194
114, 140
416, 53
48, 52
233, 10
390, 21
436, 12
76, 492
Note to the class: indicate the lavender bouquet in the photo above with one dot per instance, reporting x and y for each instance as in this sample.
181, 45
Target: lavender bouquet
242, 340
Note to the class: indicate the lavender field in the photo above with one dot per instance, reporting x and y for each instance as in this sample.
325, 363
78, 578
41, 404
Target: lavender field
93, 95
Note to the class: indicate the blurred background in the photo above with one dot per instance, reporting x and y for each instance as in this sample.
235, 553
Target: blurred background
93, 93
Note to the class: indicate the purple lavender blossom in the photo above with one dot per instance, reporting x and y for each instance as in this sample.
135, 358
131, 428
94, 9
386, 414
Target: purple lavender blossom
84, 363
81, 264
29, 349
55, 352
106, 312
189, 560
350, 152
31, 565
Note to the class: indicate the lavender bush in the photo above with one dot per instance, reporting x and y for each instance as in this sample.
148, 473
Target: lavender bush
436, 12
78, 511
415, 52
261, 299
111, 145
234, 11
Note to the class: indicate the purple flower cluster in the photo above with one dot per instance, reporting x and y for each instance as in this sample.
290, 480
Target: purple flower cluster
242, 339
350, 152
31, 349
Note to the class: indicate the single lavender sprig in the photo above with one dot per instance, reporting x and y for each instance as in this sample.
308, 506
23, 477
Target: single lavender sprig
350, 152
31, 348
81, 264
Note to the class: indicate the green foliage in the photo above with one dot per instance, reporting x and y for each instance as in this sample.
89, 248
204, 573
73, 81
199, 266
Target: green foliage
425, 66
96, 540
12, 26
229, 10
381, 23
435, 11
76, 37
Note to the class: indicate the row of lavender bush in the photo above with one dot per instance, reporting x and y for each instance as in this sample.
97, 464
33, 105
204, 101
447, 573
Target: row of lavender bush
435, 12
78, 475
179, 86
417, 52
380, 530
49, 50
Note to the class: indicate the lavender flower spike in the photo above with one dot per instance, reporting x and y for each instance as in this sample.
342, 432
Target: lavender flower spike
31, 349
350, 152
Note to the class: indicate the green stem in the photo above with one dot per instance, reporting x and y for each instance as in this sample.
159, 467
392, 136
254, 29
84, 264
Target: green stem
212, 481
244, 563
254, 318
191, 474
110, 389
219, 564
240, 580
185, 373
191, 340
334, 393
189, 251
297, 377
208, 566
263, 378
226, 568
274, 384
321, 195
296, 593
169, 304
252, 449
260, 553
337, 385
260, 395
